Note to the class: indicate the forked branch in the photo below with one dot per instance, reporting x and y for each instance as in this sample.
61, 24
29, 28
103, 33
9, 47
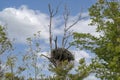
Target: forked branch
67, 32
50, 59
52, 13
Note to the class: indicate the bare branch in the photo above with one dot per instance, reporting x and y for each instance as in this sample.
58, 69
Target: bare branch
68, 46
52, 14
56, 11
51, 11
67, 28
66, 17
51, 60
67, 37
56, 42
50, 24
77, 20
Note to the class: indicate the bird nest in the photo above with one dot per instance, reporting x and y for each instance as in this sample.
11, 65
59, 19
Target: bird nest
61, 54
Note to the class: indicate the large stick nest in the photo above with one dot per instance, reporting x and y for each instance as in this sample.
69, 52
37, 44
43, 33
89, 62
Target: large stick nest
61, 54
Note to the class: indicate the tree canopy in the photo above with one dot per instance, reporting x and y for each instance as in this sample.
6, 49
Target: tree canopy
106, 16
5, 43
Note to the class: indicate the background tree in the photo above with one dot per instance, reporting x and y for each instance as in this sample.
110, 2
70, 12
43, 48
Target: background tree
11, 60
105, 14
82, 71
62, 72
31, 59
5, 45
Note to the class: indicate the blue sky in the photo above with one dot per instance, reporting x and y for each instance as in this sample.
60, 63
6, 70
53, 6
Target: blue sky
23, 18
42, 5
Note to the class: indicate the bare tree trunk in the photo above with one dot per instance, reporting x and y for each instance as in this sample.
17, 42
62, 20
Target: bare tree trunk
12, 72
67, 32
56, 43
52, 14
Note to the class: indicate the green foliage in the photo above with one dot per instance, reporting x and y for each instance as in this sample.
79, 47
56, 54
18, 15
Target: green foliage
31, 58
62, 70
82, 71
30, 78
105, 15
5, 43
9, 76
11, 60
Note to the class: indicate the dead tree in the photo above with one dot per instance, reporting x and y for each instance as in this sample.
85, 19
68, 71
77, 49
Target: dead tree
52, 14
67, 31
60, 54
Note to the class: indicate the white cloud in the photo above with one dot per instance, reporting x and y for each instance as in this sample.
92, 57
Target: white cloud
80, 54
83, 26
91, 77
24, 22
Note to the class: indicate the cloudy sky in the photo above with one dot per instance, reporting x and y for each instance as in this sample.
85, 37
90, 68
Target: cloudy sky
23, 18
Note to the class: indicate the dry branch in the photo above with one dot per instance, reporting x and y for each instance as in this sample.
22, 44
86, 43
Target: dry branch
52, 14
67, 28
